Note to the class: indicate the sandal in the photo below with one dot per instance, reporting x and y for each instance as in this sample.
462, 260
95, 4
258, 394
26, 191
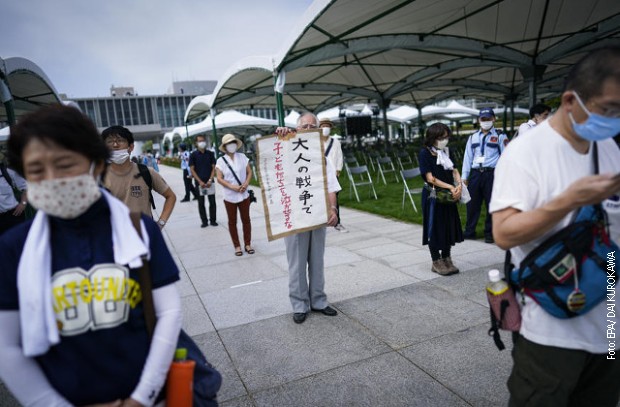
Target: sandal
249, 250
238, 252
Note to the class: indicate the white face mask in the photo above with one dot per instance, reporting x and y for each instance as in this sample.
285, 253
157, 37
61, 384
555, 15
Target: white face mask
326, 131
486, 125
65, 198
231, 148
119, 156
202, 145
441, 144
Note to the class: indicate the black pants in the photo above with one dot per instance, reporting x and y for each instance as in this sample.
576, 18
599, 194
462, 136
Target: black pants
436, 255
189, 188
7, 220
546, 376
480, 187
337, 208
202, 210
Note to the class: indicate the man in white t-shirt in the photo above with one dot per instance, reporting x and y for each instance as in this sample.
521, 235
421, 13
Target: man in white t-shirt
561, 362
538, 114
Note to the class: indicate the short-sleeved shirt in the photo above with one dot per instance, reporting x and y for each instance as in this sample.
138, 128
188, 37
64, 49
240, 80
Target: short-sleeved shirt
428, 163
238, 164
203, 162
332, 182
7, 198
526, 178
524, 127
483, 150
132, 189
98, 304
335, 152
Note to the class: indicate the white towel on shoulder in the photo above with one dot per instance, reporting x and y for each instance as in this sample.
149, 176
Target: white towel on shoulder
34, 274
443, 158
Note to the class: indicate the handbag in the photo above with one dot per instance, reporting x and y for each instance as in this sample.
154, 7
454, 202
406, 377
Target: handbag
29, 211
250, 192
207, 380
567, 274
442, 195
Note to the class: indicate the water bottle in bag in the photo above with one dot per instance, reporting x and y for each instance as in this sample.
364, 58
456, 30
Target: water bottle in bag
503, 303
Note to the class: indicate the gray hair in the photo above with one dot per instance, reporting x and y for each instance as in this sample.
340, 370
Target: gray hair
304, 114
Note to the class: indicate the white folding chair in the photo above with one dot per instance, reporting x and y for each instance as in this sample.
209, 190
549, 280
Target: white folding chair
410, 174
359, 176
404, 160
350, 161
385, 165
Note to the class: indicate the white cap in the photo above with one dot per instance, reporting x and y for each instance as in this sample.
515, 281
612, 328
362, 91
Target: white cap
494, 275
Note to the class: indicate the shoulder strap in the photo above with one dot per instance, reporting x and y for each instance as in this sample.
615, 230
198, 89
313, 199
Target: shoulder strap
231, 170
146, 287
329, 147
143, 171
10, 181
595, 157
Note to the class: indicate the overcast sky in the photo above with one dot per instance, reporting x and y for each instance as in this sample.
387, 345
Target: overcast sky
84, 47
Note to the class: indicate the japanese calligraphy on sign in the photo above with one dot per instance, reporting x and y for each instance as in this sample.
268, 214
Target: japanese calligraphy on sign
293, 183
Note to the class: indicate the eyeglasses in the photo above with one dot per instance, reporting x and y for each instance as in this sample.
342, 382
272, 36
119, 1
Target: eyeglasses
607, 111
308, 126
115, 140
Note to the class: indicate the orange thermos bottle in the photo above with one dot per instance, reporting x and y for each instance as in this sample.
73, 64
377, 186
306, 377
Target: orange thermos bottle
180, 382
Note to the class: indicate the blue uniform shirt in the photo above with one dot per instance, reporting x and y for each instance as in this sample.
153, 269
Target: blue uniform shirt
103, 343
489, 146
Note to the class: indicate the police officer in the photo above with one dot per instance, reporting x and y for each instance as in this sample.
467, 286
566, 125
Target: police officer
482, 152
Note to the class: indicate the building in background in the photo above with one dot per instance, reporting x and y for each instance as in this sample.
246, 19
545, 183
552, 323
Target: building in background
192, 87
147, 117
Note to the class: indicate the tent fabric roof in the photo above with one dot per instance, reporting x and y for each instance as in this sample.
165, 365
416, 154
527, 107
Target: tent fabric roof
230, 120
29, 86
421, 52
242, 75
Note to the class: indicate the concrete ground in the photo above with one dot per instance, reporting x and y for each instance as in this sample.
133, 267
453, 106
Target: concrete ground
403, 336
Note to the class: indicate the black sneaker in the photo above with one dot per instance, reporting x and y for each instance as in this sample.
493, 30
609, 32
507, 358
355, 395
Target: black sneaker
204, 225
214, 224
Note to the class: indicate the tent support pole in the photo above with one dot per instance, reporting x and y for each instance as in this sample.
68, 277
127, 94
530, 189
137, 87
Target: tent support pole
384, 106
214, 137
7, 100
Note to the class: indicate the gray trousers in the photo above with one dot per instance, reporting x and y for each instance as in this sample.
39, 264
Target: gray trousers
305, 251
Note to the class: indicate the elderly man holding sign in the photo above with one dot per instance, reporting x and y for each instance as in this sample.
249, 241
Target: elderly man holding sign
299, 188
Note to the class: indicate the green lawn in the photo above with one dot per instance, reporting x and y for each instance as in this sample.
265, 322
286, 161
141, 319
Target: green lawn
389, 202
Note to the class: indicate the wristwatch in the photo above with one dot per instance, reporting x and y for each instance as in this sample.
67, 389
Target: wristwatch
161, 222
24, 203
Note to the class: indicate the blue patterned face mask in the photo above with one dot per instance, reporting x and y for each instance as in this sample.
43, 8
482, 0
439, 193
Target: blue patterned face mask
596, 127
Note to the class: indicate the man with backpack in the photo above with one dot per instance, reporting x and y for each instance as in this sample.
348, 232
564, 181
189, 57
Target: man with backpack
562, 360
133, 183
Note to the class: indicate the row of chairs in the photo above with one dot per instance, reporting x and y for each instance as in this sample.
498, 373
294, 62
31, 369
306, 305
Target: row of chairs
384, 166
360, 177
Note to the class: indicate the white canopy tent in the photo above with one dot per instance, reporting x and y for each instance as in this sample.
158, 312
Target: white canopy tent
453, 111
230, 120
